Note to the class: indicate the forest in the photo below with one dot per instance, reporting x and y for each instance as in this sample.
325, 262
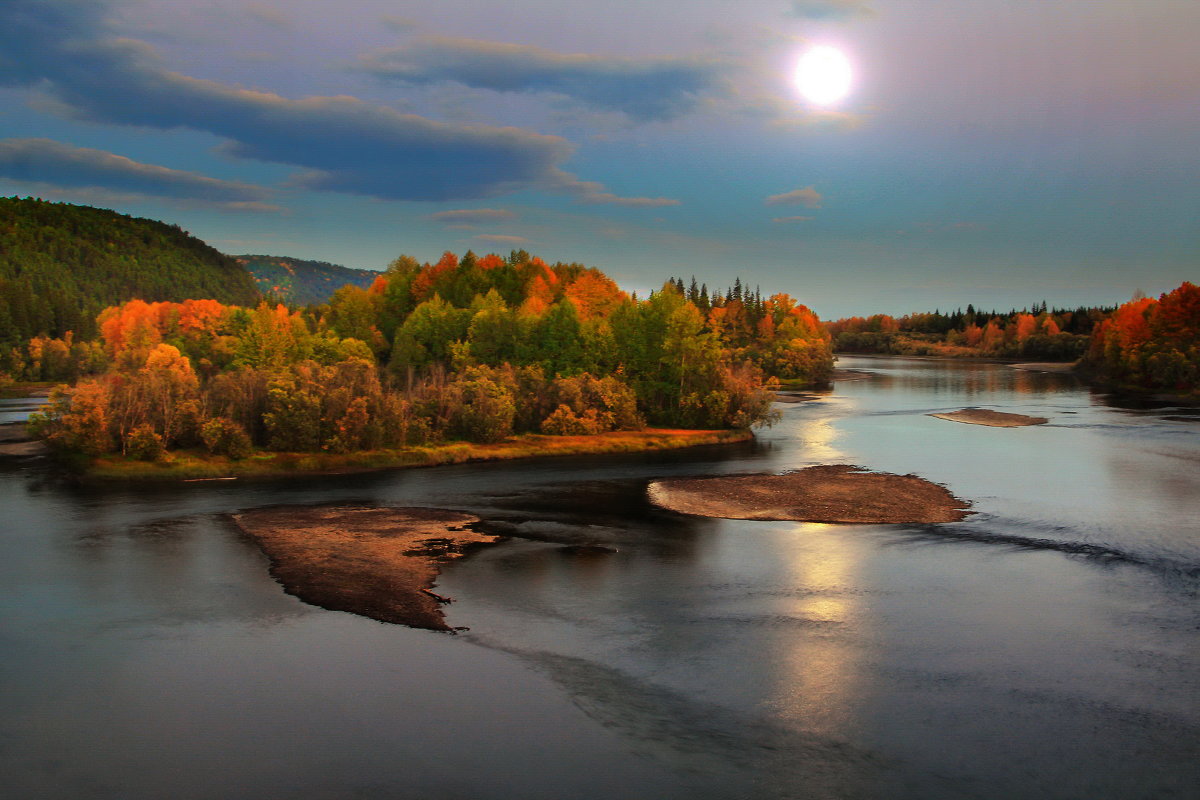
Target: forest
1036, 333
61, 264
476, 348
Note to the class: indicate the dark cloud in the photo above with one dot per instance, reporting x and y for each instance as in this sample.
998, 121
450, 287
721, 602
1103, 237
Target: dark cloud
835, 10
64, 166
643, 89
345, 144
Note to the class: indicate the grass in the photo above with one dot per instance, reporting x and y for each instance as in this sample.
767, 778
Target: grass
197, 464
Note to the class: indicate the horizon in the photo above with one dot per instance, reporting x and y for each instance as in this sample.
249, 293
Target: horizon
995, 154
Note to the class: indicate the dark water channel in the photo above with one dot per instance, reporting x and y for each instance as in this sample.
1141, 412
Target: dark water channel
1048, 646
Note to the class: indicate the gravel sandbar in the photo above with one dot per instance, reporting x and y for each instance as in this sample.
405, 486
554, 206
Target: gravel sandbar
829, 493
377, 562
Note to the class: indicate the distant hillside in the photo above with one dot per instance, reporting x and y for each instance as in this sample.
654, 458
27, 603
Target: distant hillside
61, 264
299, 282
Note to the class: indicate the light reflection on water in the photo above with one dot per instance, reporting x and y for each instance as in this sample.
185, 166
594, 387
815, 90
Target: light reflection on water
1047, 646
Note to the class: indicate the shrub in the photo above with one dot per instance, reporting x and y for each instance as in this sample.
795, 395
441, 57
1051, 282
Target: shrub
565, 422
487, 410
75, 419
144, 444
293, 417
224, 437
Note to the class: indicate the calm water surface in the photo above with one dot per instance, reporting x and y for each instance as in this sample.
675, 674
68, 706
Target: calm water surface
1048, 646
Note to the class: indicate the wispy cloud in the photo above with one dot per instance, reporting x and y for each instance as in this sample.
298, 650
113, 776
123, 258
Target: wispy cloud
807, 197
343, 143
594, 194
791, 219
468, 217
269, 15
52, 163
398, 23
835, 10
642, 88
501, 238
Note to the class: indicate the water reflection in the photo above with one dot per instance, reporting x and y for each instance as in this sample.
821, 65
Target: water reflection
18, 409
819, 675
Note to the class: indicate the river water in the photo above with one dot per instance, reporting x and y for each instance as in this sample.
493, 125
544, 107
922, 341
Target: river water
1048, 646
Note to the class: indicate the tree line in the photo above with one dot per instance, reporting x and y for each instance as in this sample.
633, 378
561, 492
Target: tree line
1035, 333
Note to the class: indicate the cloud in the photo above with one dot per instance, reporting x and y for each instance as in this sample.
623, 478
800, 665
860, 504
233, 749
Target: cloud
593, 193
398, 23
792, 219
268, 15
52, 163
500, 238
832, 10
643, 89
343, 143
467, 217
807, 197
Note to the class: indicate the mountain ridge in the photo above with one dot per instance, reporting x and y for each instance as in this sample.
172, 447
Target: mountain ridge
62, 263
299, 281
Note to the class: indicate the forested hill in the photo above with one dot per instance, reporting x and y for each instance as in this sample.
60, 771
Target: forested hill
301, 283
61, 264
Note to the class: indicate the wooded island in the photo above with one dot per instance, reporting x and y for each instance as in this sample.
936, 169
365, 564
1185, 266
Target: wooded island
476, 349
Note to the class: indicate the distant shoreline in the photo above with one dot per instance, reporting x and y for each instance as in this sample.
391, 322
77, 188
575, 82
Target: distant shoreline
1065, 366
198, 465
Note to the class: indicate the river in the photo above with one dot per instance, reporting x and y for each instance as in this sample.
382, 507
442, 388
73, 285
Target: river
1048, 646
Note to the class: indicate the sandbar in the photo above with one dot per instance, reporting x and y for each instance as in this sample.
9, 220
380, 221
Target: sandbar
377, 562
23, 449
852, 374
15, 442
994, 419
828, 493
795, 397
1062, 367
11, 432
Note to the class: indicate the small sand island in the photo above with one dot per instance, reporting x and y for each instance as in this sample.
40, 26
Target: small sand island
852, 375
828, 493
377, 562
15, 442
1059, 367
994, 419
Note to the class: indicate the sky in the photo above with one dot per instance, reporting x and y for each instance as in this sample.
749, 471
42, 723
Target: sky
994, 152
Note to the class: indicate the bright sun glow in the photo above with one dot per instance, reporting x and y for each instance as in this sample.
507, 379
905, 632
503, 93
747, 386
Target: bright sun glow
823, 75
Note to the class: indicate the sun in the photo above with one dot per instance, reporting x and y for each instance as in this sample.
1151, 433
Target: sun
823, 75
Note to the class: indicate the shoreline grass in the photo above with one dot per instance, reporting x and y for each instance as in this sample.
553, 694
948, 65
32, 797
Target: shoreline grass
19, 390
196, 464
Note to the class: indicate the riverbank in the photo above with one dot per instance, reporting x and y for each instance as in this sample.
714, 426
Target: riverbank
199, 465
18, 390
1016, 363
